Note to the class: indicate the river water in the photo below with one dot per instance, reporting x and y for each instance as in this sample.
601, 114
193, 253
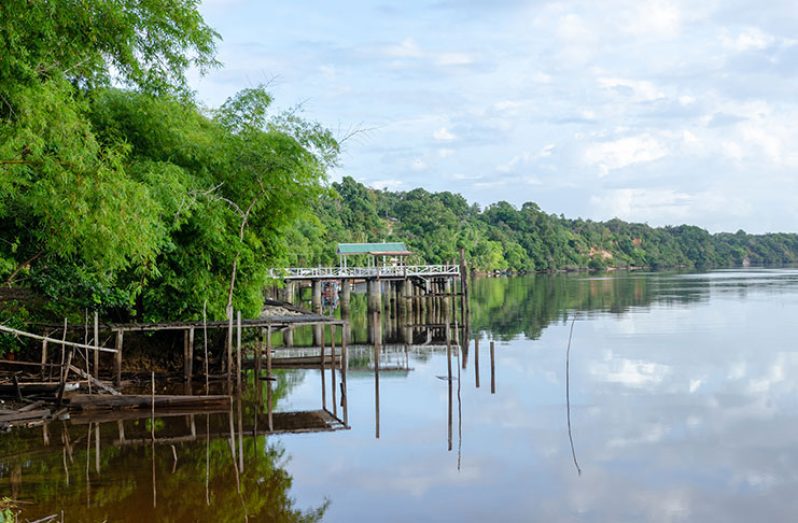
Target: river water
683, 407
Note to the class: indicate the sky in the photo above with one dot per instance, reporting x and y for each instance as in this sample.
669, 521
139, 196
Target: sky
655, 111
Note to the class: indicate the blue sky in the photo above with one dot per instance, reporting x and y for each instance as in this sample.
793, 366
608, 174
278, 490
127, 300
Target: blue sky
663, 112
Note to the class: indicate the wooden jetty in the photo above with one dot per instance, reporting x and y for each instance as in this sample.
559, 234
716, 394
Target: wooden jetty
416, 293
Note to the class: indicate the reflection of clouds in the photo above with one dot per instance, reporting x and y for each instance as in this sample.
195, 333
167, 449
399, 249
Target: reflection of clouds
630, 373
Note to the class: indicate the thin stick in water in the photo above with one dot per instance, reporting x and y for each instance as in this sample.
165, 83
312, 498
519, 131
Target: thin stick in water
568, 394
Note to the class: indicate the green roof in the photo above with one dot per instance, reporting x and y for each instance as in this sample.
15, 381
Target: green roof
384, 248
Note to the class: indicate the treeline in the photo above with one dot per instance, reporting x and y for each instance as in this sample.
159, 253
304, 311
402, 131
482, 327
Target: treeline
502, 237
118, 191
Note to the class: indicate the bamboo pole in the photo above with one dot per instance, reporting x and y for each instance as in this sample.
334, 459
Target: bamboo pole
120, 336
30, 335
205, 341
238, 351
44, 356
96, 345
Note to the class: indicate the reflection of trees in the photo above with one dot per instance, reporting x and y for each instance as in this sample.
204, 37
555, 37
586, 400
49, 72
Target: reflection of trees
509, 306
122, 490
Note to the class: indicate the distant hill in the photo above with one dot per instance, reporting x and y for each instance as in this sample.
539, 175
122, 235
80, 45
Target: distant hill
503, 237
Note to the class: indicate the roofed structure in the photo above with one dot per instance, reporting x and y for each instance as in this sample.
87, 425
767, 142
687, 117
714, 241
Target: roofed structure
374, 249
393, 251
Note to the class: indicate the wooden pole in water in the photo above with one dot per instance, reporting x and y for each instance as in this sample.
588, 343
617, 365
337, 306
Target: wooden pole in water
323, 377
259, 356
332, 370
205, 342
96, 345
492, 367
44, 356
344, 366
189, 361
269, 376
229, 347
238, 351
120, 336
63, 343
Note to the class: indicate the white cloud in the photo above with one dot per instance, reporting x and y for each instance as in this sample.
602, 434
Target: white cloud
386, 184
443, 134
624, 152
638, 90
453, 59
419, 165
749, 39
407, 48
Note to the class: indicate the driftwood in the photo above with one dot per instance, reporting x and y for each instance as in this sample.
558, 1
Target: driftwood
97, 383
143, 401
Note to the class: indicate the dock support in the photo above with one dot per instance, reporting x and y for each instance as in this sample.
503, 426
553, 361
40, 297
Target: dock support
188, 354
120, 336
316, 307
346, 295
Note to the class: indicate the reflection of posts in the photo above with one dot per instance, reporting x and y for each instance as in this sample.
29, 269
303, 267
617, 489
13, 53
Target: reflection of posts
476, 360
449, 380
344, 367
377, 391
492, 367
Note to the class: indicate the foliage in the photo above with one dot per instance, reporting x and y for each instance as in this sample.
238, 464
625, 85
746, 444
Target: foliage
503, 237
136, 201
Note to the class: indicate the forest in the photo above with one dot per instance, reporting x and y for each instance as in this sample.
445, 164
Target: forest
120, 192
502, 237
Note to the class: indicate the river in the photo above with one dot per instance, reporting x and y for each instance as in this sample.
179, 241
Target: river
683, 407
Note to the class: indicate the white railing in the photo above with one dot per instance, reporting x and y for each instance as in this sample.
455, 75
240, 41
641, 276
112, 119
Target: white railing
313, 273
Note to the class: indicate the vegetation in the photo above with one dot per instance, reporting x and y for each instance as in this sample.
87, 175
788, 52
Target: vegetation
117, 191
505, 238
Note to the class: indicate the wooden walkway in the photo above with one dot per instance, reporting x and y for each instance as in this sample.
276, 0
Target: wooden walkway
364, 273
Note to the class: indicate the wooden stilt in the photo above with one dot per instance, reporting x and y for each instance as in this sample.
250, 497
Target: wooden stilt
238, 352
96, 345
269, 376
344, 367
323, 376
120, 336
44, 357
332, 370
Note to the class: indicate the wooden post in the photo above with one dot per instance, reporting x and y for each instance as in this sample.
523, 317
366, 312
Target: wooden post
120, 335
44, 356
238, 351
205, 342
96, 345
323, 377
64, 375
344, 367
259, 355
229, 347
332, 370
269, 376
188, 356
492, 367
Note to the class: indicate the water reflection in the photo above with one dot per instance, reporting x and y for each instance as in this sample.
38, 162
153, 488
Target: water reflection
678, 391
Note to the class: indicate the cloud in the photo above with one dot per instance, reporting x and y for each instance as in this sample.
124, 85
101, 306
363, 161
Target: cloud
749, 39
638, 90
442, 134
624, 152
